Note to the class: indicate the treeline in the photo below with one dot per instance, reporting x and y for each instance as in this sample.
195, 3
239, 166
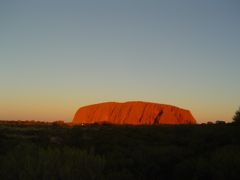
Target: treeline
33, 123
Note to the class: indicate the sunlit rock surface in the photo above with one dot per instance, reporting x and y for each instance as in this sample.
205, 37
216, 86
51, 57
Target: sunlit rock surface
132, 113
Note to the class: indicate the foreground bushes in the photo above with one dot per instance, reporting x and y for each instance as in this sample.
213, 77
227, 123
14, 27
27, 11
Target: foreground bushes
32, 162
120, 152
221, 164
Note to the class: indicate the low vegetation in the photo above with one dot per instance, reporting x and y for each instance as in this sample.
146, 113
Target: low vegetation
57, 151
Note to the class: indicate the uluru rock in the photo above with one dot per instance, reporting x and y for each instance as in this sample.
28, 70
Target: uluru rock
132, 113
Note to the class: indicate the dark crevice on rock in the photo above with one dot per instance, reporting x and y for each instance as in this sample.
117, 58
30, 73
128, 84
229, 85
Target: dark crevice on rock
157, 118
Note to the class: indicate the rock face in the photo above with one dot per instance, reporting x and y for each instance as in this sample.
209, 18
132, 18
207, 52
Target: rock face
132, 113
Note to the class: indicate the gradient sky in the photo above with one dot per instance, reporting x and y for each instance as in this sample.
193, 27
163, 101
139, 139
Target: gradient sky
56, 56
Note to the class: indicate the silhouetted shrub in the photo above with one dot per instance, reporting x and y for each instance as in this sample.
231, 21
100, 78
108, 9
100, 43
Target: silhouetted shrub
236, 117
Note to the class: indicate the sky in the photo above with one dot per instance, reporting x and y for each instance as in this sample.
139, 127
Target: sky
59, 55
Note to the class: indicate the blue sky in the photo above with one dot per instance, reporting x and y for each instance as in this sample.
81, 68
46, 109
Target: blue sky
57, 55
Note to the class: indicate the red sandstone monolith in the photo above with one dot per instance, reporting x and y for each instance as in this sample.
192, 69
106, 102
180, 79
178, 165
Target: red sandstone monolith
132, 113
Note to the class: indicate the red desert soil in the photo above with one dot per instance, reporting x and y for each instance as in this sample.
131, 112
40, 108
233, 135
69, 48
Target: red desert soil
132, 113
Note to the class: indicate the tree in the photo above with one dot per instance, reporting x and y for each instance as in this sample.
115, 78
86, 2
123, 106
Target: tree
236, 117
